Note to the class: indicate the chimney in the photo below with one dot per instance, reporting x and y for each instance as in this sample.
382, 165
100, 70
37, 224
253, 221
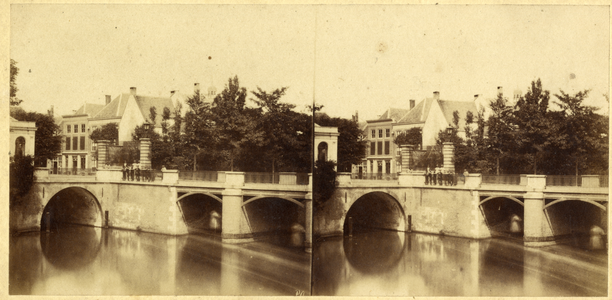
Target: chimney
412, 103
356, 117
196, 87
51, 111
108, 99
436, 95
133, 91
500, 90
475, 97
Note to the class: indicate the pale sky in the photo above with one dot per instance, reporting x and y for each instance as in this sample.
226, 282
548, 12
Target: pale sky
368, 58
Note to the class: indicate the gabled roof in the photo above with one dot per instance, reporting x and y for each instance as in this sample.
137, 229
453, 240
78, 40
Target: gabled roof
114, 109
448, 107
418, 113
145, 103
394, 113
89, 109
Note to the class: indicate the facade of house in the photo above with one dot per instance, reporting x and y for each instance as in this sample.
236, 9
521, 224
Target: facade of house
431, 115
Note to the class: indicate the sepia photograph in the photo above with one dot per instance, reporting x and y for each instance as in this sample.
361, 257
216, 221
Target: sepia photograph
429, 150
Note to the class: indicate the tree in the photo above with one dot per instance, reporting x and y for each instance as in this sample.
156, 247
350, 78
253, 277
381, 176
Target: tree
412, 136
14, 101
532, 125
48, 142
21, 178
108, 132
581, 137
234, 122
200, 135
325, 182
500, 134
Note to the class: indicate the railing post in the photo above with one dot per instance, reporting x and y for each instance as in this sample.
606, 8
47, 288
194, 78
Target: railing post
343, 178
590, 181
473, 180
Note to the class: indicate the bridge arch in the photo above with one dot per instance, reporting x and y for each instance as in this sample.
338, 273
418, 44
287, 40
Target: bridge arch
507, 197
583, 200
201, 212
375, 210
72, 205
279, 197
277, 217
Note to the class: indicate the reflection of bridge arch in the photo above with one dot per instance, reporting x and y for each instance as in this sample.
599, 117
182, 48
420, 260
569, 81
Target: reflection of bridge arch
72, 205
279, 197
506, 197
583, 200
377, 210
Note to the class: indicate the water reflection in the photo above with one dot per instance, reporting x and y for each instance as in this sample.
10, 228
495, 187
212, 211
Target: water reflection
92, 261
71, 248
380, 263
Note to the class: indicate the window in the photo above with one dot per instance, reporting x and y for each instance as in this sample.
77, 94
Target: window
83, 143
82, 127
372, 148
387, 147
68, 142
75, 143
380, 144
379, 133
76, 128
373, 133
68, 129
388, 132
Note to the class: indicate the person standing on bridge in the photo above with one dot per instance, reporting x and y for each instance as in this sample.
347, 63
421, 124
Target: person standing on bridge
138, 172
131, 172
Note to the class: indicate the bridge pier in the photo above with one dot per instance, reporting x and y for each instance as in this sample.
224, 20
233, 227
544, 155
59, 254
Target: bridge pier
232, 217
537, 231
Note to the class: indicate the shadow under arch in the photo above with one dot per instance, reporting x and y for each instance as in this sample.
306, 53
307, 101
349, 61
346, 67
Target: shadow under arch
201, 212
574, 218
72, 205
280, 220
375, 210
503, 215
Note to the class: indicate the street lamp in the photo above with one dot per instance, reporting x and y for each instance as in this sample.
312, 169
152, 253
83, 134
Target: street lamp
449, 132
146, 127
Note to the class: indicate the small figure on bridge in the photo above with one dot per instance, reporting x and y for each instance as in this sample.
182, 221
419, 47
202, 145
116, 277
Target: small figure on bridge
515, 224
124, 171
440, 179
132, 172
137, 173
427, 176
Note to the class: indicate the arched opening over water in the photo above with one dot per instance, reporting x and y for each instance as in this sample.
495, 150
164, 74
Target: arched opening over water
504, 215
73, 205
375, 210
276, 219
201, 212
575, 218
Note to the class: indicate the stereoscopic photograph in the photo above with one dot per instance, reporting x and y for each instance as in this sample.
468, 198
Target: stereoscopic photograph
429, 150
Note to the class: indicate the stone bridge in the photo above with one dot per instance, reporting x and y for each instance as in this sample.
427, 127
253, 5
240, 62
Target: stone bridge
541, 214
237, 210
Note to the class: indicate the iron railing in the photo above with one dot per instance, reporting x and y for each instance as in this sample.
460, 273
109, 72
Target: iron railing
501, 179
73, 171
257, 177
603, 181
563, 180
302, 179
374, 176
199, 175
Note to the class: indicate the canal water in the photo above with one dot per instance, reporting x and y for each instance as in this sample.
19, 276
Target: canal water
387, 263
80, 260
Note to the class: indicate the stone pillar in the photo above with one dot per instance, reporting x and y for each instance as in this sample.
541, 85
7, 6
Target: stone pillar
102, 153
231, 217
448, 152
590, 181
406, 157
537, 232
145, 148
343, 178
287, 177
